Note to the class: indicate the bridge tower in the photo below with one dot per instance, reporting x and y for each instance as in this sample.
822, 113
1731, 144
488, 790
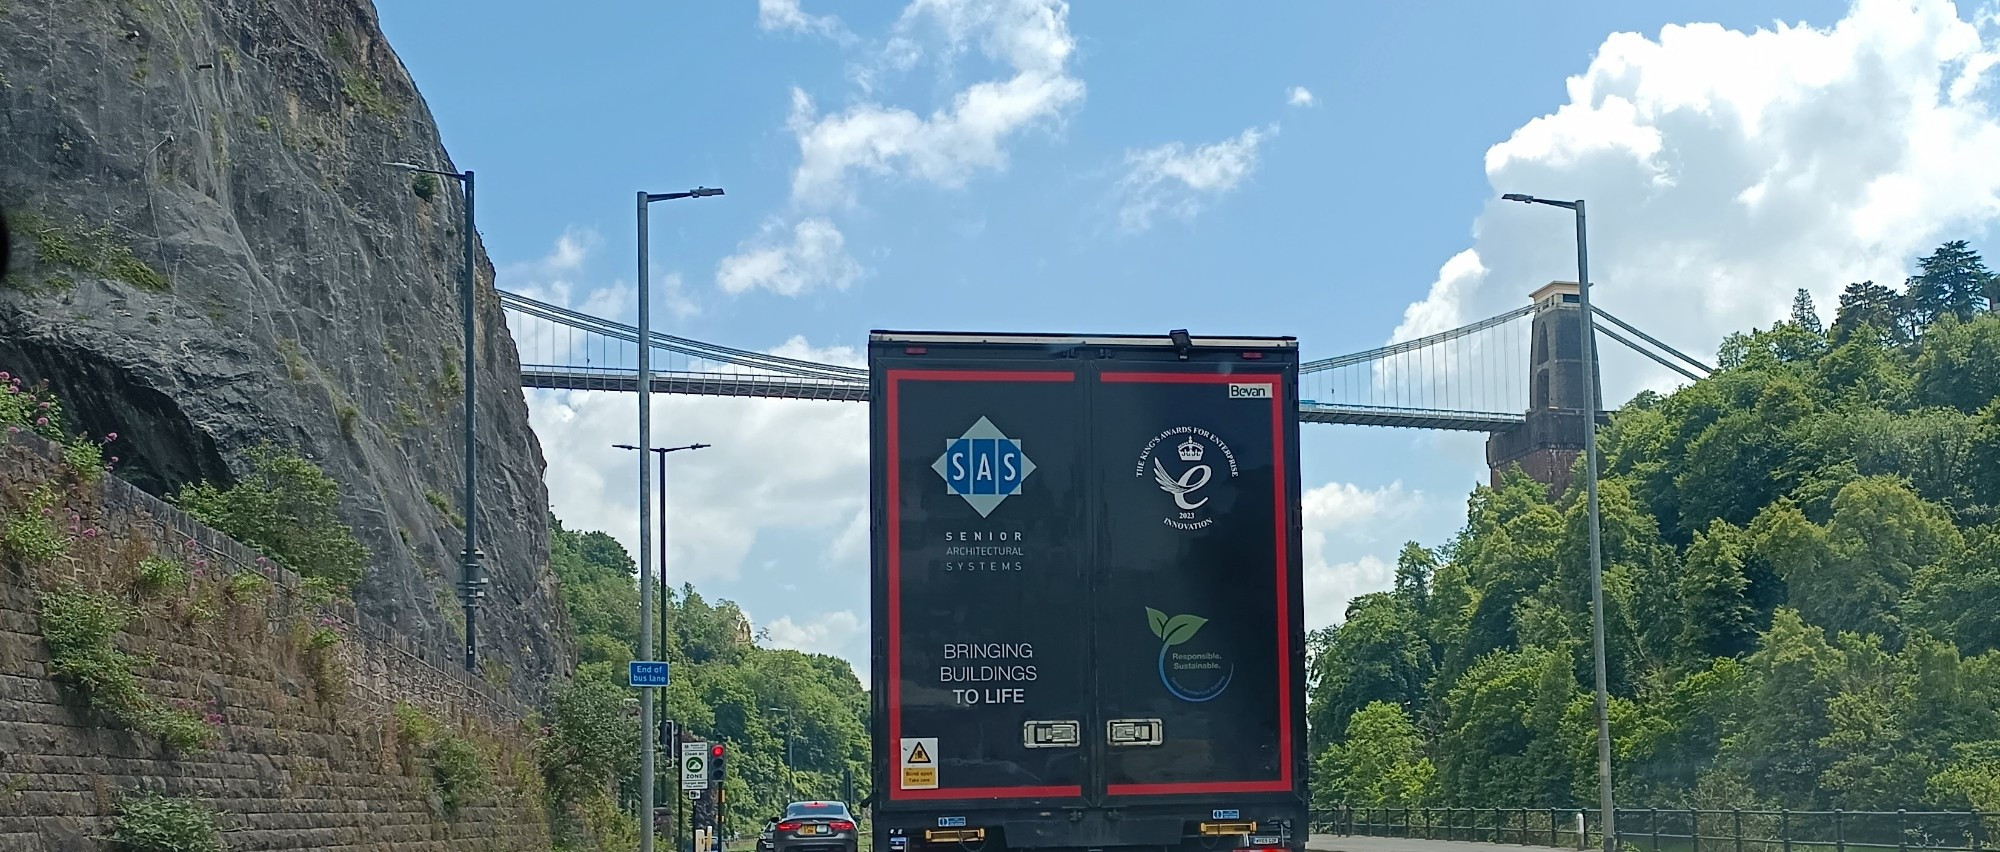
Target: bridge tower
1547, 443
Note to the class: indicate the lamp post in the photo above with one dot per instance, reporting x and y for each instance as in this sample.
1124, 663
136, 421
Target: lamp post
663, 451
645, 375
472, 574
1606, 814
791, 783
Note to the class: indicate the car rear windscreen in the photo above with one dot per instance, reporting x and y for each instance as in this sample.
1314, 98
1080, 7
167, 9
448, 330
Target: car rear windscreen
817, 809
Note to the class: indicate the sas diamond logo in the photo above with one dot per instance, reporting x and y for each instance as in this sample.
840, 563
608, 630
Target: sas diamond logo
983, 466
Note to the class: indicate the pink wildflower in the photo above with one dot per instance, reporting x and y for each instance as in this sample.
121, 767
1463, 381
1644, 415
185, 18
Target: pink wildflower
90, 532
41, 421
111, 437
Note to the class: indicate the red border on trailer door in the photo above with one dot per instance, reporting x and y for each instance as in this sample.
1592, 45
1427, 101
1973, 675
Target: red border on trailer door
1280, 479
895, 557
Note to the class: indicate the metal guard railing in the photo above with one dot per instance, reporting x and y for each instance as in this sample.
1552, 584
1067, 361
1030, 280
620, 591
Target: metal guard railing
1676, 829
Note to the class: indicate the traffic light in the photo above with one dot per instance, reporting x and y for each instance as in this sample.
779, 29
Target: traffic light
717, 763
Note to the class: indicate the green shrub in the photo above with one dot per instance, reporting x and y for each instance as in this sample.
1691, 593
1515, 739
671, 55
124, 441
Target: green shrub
32, 534
286, 508
246, 587
443, 505
589, 738
161, 573
424, 186
150, 822
459, 771
34, 409
86, 458
366, 93
81, 628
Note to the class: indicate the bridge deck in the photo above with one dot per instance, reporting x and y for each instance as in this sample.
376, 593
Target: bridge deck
769, 386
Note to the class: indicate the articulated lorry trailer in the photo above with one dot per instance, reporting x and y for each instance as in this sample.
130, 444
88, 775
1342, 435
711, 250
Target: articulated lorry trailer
1087, 618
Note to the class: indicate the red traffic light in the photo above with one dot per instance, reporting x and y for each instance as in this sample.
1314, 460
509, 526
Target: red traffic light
717, 750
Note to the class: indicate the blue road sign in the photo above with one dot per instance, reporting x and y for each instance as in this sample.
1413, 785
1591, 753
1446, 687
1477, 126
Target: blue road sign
648, 674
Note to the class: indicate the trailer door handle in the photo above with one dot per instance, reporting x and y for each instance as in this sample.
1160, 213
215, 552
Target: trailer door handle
1135, 732
1042, 733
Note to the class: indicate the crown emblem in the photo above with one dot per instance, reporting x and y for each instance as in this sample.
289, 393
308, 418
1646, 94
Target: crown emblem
1191, 450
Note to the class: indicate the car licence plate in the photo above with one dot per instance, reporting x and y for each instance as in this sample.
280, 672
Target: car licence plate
813, 829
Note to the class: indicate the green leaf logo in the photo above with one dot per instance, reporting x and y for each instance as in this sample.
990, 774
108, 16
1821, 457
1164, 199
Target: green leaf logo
1181, 628
1158, 621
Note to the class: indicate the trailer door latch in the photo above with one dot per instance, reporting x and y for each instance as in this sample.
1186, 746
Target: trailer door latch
1042, 733
1136, 732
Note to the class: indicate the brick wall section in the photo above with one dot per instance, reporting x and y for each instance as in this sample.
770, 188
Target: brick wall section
293, 769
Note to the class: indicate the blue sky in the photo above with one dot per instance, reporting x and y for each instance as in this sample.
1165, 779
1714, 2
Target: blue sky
1020, 165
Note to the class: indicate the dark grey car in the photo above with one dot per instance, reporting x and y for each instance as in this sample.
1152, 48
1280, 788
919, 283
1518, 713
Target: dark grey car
816, 826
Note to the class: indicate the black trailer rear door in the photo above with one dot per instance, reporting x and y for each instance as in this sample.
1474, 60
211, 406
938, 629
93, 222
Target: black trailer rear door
1192, 616
983, 520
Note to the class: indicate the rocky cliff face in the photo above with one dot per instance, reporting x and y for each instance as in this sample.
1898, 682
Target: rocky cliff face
209, 255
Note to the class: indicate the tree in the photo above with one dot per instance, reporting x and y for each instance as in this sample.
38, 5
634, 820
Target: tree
1414, 567
1804, 314
1379, 764
1379, 654
1953, 281
1719, 620
1801, 561
1868, 305
725, 686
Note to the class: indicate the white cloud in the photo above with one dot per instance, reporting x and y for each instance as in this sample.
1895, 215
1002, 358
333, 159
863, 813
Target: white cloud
812, 256
1300, 96
787, 15
1725, 169
549, 278
830, 633
1176, 180
776, 468
1344, 520
1031, 36
1330, 587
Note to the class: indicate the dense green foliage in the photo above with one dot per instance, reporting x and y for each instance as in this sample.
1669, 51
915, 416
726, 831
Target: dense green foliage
725, 685
288, 508
149, 822
82, 628
1802, 571
459, 771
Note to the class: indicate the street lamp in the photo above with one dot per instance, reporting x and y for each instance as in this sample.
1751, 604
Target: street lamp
663, 451
645, 492
1589, 333
472, 575
791, 782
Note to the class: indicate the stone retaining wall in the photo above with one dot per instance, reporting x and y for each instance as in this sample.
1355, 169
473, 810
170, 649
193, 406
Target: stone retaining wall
300, 763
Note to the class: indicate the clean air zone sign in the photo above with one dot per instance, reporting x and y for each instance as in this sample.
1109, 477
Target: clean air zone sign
694, 766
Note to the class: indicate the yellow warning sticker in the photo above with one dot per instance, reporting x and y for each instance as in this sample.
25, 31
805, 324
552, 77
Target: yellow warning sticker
918, 762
